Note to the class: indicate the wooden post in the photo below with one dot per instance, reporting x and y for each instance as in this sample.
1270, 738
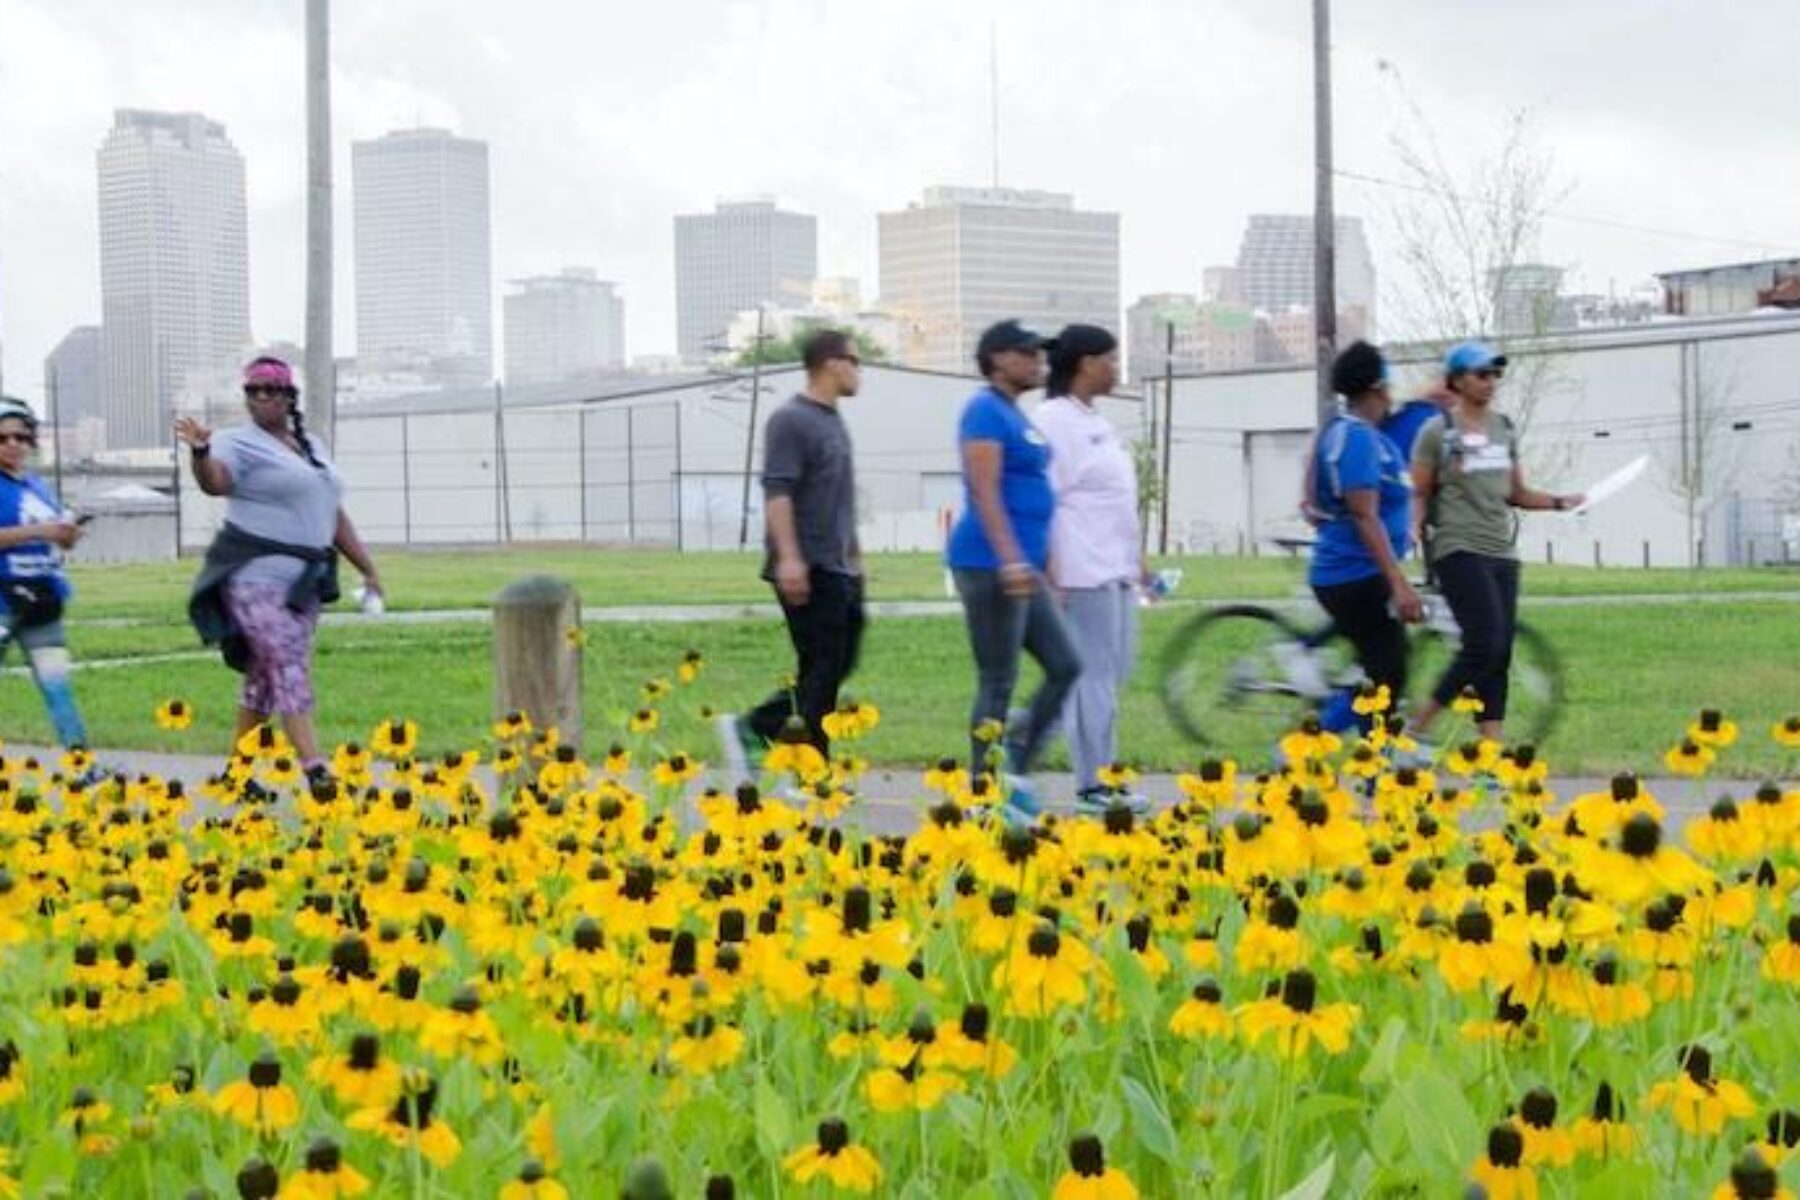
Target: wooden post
537, 661
1596, 552
1646, 554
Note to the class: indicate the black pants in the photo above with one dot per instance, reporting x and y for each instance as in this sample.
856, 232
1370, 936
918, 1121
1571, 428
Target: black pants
1362, 611
1483, 593
827, 633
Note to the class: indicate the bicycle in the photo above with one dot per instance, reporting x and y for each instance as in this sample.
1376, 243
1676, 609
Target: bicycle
1238, 676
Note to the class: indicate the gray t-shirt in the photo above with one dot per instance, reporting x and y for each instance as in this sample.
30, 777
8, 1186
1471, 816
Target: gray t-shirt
1470, 512
807, 458
277, 494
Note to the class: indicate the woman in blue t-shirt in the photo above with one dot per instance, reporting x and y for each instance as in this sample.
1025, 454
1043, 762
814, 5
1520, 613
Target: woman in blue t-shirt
34, 531
1361, 497
998, 553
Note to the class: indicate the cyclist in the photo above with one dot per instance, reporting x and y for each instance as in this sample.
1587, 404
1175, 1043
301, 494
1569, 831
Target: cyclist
1361, 497
1466, 481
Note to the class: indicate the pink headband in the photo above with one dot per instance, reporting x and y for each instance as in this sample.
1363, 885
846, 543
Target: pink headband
269, 374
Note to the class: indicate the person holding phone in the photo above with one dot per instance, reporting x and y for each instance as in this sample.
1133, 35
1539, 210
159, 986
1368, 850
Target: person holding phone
35, 529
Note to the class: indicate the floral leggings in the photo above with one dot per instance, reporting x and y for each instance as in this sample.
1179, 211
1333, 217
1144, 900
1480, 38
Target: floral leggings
279, 678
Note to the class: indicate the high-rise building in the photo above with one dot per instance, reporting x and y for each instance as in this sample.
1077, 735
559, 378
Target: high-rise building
741, 254
1275, 266
563, 326
964, 258
424, 279
75, 377
174, 264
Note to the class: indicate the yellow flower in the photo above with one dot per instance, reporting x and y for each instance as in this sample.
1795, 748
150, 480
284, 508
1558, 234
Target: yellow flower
361, 1078
911, 1087
850, 720
575, 637
1370, 699
644, 720
12, 1073
1202, 1014
676, 769
1467, 702
325, 1175
800, 758
1712, 729
1309, 742
1752, 1178
533, 1183
1294, 1020
1700, 1102
351, 763
515, 724
836, 1158
394, 738
1603, 1133
410, 1124
1089, 1178
1786, 732
174, 714
1502, 1171
260, 1101
1044, 971
264, 741
1214, 785
1117, 776
690, 666
1690, 758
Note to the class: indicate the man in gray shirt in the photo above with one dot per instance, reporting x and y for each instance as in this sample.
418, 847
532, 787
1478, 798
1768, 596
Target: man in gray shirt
812, 556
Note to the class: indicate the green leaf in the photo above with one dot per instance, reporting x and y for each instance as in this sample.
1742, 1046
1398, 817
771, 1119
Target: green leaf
1150, 1123
1427, 1114
1322, 1105
1380, 1067
774, 1119
1622, 1178
1317, 1185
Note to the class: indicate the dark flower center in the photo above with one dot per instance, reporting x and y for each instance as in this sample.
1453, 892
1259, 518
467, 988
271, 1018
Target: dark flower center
1641, 837
265, 1072
1538, 1109
1044, 941
1475, 925
324, 1157
1087, 1156
834, 1135
1505, 1146
1697, 1062
1606, 1105
365, 1052
1299, 991
1752, 1178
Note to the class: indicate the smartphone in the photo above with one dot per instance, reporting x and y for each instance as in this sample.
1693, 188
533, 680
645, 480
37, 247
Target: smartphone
83, 518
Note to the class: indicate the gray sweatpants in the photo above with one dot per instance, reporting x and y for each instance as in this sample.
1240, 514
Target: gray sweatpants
1104, 624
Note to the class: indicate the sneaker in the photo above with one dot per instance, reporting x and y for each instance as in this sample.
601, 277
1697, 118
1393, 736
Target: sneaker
1021, 807
734, 745
1094, 802
1301, 667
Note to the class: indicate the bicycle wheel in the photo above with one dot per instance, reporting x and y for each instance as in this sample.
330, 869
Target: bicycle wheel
1229, 681
1534, 688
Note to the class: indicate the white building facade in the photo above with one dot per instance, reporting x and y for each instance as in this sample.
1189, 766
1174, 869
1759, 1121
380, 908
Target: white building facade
563, 326
742, 254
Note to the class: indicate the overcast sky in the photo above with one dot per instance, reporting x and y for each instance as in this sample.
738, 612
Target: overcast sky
603, 120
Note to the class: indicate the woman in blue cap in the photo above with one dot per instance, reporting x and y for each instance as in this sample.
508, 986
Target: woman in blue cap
1467, 480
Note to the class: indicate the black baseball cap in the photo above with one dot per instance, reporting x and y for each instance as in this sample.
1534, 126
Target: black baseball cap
1010, 335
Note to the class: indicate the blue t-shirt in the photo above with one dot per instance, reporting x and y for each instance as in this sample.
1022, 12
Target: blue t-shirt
1025, 490
28, 501
1353, 455
1404, 423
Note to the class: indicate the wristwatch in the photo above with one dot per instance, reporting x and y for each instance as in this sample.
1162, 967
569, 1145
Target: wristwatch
201, 451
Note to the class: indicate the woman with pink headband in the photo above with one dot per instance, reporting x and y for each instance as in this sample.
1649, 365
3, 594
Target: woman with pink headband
273, 563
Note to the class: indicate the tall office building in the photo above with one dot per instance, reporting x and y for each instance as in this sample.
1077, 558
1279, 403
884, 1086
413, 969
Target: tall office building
75, 376
424, 278
742, 254
964, 258
563, 326
174, 264
1275, 267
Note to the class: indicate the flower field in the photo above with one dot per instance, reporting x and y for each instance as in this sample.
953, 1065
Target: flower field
530, 971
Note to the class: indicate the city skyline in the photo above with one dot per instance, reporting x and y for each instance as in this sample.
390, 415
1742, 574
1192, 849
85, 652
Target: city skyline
592, 172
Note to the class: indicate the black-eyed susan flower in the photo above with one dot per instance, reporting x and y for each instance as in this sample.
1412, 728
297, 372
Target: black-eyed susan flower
850, 720
513, 725
675, 770
362, 1077
1309, 742
911, 1087
1712, 728
1690, 758
1043, 972
1481, 953
1781, 1134
258, 1179
1502, 1171
174, 714
644, 720
945, 776
1291, 1021
324, 1175
1699, 1101
575, 638
260, 1101
1780, 962
533, 1182
1212, 785
692, 663
395, 738
1370, 699
12, 1073
264, 741
969, 1044
1088, 1176
1468, 702
1546, 1143
1786, 732
412, 1122
1604, 1132
1202, 1014
1752, 1178
835, 1158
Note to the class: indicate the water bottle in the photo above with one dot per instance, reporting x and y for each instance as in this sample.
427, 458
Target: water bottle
370, 601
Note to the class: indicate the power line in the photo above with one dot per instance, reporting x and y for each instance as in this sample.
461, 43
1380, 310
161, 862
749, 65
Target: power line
1576, 218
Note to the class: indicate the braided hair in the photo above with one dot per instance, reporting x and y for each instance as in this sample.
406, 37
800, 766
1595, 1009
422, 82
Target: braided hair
280, 375
297, 424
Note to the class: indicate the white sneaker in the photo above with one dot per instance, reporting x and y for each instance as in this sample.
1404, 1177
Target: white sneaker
1301, 668
733, 752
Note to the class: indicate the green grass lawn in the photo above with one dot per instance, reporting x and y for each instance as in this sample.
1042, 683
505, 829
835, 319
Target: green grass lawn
420, 579
1636, 674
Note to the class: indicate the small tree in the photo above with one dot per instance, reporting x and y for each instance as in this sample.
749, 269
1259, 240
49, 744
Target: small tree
781, 351
1150, 485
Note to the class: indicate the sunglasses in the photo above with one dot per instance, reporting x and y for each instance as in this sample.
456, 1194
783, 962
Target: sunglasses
1489, 373
264, 389
18, 439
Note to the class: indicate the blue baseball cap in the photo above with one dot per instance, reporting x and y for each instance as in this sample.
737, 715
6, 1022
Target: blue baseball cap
1472, 356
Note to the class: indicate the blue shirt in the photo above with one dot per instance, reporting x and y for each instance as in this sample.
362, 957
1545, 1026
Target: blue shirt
1353, 455
1404, 423
1025, 490
27, 501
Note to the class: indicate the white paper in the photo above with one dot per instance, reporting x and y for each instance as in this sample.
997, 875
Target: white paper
1613, 484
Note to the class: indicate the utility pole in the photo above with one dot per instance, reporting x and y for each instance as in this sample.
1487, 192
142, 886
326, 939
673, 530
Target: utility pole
53, 418
756, 357
1168, 434
1324, 214
321, 366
